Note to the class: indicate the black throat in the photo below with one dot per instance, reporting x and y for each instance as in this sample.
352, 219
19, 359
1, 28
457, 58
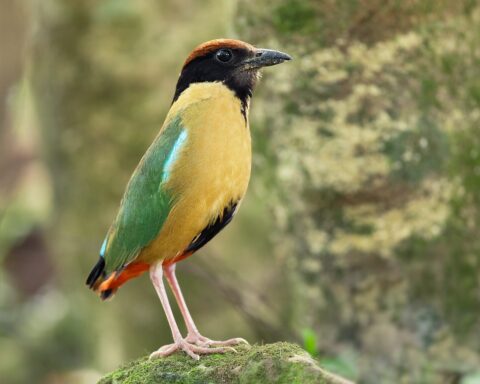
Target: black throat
202, 70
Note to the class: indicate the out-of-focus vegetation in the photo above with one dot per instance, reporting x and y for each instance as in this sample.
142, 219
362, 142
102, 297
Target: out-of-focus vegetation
372, 145
359, 235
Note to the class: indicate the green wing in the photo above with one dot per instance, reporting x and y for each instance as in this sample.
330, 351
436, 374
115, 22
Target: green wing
146, 203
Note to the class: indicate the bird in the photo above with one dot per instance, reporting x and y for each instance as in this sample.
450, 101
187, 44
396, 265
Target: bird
189, 184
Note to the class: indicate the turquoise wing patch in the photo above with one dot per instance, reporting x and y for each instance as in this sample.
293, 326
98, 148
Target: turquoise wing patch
173, 154
146, 203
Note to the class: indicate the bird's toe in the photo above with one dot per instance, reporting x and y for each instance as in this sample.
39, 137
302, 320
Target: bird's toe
229, 342
189, 350
164, 351
211, 350
193, 348
203, 341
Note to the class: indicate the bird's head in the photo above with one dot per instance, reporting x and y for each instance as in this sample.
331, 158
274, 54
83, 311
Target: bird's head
232, 62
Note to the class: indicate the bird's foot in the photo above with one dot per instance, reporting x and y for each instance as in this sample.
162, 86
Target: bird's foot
191, 349
197, 339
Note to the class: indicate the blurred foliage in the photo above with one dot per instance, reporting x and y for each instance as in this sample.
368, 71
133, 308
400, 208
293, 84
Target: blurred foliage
359, 235
310, 341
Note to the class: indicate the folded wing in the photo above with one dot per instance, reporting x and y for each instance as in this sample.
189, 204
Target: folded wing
147, 202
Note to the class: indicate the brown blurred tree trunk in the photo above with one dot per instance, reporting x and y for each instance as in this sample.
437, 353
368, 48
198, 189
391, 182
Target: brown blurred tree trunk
103, 74
12, 41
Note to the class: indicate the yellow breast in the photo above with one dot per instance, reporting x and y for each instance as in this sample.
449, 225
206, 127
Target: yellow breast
212, 170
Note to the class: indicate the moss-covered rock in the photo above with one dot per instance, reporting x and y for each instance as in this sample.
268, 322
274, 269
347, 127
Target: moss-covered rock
270, 363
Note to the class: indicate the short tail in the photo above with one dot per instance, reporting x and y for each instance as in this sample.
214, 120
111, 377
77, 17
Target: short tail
106, 285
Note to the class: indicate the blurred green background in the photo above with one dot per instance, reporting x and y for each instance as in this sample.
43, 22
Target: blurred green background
359, 238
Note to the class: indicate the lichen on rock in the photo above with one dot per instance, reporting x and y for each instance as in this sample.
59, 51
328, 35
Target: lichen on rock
270, 363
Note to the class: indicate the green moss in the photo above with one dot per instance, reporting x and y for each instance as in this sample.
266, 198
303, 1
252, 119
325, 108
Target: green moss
271, 363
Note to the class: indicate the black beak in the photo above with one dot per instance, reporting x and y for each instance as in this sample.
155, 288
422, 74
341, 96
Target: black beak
265, 58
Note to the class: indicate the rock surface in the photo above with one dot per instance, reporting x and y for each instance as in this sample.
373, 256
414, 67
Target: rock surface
271, 363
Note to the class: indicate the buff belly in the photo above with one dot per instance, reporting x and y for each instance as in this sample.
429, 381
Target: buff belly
212, 170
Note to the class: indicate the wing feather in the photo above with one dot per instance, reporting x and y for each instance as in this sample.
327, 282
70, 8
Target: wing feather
146, 203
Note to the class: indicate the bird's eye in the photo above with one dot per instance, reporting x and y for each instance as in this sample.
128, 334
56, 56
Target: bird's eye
224, 55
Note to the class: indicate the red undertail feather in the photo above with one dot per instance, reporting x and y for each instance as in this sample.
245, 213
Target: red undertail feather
106, 286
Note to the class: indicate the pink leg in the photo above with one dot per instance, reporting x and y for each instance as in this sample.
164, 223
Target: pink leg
193, 335
156, 275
